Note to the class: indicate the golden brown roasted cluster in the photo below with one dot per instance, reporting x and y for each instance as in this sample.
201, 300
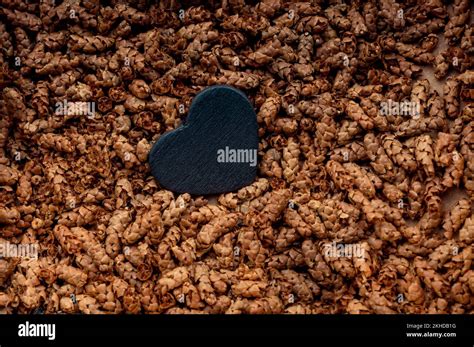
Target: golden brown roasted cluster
366, 130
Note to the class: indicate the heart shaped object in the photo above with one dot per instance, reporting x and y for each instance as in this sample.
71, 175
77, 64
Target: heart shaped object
215, 151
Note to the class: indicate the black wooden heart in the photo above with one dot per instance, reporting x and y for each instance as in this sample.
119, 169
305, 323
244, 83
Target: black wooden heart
215, 151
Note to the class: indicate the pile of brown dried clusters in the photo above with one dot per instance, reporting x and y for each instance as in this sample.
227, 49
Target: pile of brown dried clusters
358, 152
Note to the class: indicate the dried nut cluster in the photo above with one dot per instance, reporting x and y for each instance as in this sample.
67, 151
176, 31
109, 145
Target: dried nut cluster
358, 153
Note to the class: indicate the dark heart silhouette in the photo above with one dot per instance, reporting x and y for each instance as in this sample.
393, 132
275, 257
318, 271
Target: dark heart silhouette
215, 151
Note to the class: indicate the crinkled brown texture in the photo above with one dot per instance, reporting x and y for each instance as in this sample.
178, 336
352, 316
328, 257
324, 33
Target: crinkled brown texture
347, 213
